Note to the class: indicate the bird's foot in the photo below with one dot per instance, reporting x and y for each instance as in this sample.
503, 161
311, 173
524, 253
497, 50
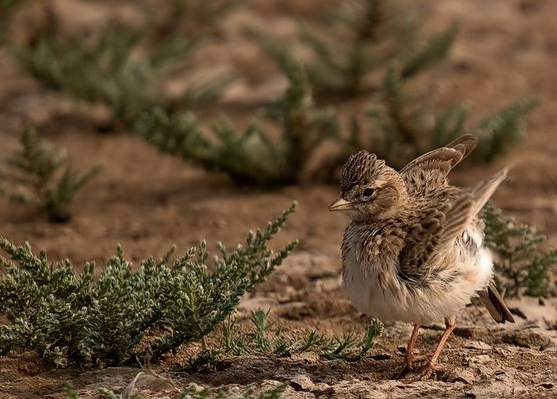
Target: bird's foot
424, 374
408, 367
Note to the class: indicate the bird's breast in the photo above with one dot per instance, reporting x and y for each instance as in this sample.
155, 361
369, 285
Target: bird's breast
365, 278
370, 279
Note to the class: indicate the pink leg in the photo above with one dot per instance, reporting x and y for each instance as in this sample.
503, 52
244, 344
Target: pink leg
409, 356
450, 324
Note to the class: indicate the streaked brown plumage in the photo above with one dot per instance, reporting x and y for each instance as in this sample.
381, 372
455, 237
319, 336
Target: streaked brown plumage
413, 251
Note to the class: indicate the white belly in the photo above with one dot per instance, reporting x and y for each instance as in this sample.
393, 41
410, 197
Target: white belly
395, 302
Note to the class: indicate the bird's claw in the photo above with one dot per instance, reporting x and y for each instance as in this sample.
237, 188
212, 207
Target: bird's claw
424, 374
408, 367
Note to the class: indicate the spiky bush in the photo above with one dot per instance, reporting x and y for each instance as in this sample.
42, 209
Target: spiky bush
253, 155
104, 68
194, 391
375, 48
522, 268
98, 71
266, 338
42, 177
70, 318
358, 38
188, 18
124, 67
405, 124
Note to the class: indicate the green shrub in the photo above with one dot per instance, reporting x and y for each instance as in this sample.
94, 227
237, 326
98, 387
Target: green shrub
521, 267
375, 48
69, 318
42, 177
103, 68
194, 391
374, 38
98, 71
404, 125
266, 338
251, 156
359, 38
124, 67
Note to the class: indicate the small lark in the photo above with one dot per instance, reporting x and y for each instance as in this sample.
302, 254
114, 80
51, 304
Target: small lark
414, 250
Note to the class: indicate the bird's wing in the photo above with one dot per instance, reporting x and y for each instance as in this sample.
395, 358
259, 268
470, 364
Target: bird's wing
436, 164
438, 225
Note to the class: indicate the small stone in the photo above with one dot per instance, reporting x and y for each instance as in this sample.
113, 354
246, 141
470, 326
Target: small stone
479, 359
302, 383
479, 345
306, 357
526, 339
464, 376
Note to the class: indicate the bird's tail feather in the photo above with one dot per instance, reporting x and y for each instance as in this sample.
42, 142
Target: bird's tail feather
483, 191
495, 304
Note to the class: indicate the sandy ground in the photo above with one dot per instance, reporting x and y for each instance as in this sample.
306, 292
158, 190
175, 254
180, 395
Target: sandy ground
147, 201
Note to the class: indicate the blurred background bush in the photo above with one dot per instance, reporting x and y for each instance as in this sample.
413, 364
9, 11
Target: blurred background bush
136, 64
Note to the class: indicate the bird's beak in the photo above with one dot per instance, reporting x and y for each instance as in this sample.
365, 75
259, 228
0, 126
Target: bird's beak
340, 205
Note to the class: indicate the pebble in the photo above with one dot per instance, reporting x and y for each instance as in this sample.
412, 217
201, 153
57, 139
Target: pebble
479, 345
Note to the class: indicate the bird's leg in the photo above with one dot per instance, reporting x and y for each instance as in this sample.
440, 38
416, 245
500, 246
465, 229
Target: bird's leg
450, 324
409, 355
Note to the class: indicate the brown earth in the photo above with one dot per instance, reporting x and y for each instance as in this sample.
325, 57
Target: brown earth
147, 201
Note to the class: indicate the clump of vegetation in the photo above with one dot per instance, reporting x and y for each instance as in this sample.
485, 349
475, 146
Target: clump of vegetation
522, 268
359, 38
405, 125
251, 156
124, 67
97, 71
375, 48
40, 176
187, 18
194, 391
376, 52
103, 68
266, 338
263, 340
370, 47
69, 318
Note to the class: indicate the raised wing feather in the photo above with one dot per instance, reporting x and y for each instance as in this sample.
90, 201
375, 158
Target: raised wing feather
434, 166
445, 158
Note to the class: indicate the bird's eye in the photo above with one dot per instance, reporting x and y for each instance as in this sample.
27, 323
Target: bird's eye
368, 192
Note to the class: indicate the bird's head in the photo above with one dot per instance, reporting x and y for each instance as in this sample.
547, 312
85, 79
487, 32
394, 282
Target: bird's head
369, 189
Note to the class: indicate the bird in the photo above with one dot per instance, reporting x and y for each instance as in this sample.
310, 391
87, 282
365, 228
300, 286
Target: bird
413, 250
